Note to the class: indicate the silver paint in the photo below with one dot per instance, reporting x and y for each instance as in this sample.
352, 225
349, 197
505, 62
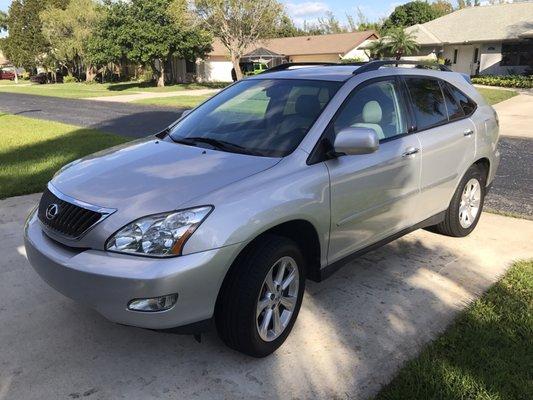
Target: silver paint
351, 201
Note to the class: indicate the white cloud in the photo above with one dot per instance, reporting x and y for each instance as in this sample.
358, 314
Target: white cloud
307, 9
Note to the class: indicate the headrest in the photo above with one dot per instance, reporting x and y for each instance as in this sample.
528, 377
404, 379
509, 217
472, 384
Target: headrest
307, 105
372, 112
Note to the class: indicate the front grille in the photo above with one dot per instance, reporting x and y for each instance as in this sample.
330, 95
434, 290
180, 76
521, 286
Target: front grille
69, 220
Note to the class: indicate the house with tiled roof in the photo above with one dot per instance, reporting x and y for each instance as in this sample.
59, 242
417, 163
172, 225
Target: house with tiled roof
324, 48
493, 39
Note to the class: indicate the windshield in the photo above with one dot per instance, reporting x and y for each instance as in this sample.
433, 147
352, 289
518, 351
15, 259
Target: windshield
267, 117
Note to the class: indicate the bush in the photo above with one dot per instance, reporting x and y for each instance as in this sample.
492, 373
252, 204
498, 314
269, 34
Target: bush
215, 85
352, 60
69, 79
515, 81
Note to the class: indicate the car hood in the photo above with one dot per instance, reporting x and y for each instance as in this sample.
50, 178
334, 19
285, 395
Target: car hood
150, 175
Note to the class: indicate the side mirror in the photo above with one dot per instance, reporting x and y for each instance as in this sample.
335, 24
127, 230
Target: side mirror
353, 141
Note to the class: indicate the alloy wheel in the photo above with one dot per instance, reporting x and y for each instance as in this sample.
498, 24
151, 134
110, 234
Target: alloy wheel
277, 299
470, 203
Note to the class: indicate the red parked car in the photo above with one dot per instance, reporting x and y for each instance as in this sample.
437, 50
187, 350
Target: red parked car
7, 75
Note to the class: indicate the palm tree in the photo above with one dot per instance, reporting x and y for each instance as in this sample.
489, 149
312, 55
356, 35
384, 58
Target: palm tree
377, 48
400, 43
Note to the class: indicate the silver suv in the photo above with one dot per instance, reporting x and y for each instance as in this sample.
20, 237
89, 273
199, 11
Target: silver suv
281, 177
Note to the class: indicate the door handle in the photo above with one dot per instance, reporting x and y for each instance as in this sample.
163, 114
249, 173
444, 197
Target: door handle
468, 132
410, 151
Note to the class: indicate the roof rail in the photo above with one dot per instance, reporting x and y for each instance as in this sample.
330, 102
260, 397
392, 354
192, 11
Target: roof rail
374, 65
285, 66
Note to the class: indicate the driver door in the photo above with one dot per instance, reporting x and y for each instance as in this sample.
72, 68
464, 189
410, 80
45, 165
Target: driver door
373, 195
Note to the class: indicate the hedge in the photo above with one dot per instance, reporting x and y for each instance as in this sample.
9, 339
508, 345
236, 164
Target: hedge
516, 81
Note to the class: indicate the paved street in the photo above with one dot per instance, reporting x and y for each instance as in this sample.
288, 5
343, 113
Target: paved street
132, 120
512, 190
353, 333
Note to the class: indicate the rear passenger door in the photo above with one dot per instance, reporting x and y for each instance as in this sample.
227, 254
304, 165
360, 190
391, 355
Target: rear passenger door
447, 138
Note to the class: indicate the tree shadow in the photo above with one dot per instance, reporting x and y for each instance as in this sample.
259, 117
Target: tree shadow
131, 120
355, 329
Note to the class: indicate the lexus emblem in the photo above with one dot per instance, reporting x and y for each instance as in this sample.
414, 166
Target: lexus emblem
51, 211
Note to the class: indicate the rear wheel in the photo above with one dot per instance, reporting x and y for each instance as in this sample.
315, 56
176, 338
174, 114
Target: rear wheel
261, 297
465, 208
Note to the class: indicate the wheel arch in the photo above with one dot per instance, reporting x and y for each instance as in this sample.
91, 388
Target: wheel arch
484, 163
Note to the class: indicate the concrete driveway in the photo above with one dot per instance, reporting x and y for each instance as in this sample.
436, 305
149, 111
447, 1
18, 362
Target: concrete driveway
516, 115
354, 331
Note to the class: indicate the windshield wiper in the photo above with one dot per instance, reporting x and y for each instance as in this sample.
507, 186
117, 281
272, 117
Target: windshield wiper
219, 144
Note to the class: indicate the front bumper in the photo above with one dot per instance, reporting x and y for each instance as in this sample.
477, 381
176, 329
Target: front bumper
107, 281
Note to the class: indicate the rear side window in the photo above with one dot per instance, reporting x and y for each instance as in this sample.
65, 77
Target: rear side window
428, 102
466, 103
455, 111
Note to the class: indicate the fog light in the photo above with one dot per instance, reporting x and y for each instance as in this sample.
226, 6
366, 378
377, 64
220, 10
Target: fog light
153, 304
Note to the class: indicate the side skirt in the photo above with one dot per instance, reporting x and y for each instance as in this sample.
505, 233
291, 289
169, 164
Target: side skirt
327, 271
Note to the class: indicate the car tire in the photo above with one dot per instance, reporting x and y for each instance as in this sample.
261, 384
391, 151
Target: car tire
465, 208
239, 316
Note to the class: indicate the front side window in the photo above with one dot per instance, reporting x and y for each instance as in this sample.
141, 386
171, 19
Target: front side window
428, 102
376, 105
267, 117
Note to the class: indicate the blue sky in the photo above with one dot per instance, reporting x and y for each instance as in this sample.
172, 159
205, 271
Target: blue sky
311, 10
301, 10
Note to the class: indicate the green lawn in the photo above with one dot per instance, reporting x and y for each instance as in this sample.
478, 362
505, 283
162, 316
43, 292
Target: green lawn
175, 101
83, 90
32, 150
494, 96
487, 353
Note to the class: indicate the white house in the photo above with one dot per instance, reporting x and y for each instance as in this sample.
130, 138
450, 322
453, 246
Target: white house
494, 39
327, 48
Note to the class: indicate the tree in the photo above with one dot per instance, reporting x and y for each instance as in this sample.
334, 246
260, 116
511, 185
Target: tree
148, 32
3, 21
442, 7
377, 49
415, 12
286, 28
25, 43
239, 23
68, 31
330, 24
362, 23
400, 43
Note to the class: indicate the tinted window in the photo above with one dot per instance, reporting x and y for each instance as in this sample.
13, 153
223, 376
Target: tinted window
428, 102
266, 117
452, 105
467, 105
376, 106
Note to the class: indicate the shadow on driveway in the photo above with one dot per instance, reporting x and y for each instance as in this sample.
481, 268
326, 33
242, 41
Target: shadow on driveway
353, 333
132, 120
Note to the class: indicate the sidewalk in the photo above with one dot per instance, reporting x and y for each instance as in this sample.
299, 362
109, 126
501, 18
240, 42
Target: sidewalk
355, 330
126, 98
516, 116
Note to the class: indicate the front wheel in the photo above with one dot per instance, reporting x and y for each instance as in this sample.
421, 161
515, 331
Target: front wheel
261, 297
465, 208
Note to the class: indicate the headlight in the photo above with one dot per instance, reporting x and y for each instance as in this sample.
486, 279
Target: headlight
161, 235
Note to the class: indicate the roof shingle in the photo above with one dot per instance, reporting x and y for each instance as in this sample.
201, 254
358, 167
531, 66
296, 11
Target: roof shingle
339, 43
477, 24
